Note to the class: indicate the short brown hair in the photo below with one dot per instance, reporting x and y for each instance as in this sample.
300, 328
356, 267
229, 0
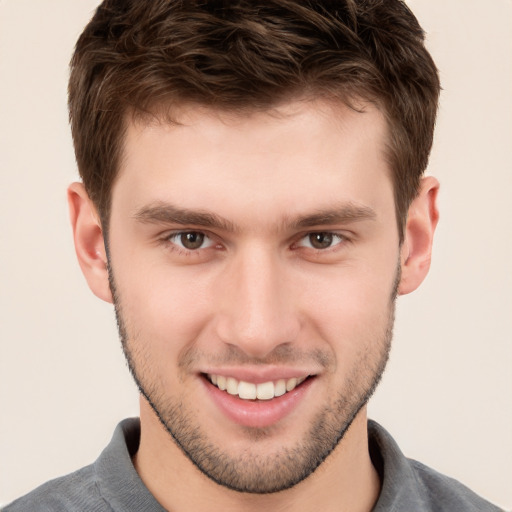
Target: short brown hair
137, 55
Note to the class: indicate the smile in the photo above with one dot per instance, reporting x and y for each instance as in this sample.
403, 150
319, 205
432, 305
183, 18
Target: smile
250, 391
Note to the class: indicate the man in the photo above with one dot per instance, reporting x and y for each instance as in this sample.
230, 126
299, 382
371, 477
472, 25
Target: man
252, 203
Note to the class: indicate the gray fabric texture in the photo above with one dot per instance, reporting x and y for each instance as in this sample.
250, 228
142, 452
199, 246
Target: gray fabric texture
111, 484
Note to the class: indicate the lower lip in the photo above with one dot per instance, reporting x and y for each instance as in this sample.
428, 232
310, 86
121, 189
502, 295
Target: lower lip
258, 413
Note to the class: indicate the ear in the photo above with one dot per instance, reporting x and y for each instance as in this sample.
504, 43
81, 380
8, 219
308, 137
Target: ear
416, 251
89, 243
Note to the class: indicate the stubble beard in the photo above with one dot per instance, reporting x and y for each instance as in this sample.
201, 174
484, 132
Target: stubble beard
251, 472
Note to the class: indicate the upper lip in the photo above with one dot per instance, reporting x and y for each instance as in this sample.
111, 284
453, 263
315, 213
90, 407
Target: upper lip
259, 375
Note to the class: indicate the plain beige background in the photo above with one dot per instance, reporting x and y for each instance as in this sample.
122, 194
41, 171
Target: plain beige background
446, 396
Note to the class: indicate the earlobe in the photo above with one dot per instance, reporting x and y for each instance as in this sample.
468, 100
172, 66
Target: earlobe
416, 249
89, 243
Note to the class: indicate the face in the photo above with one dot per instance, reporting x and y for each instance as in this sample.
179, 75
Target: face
254, 263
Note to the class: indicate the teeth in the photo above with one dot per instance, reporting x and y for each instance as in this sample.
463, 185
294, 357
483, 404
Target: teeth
290, 384
232, 386
265, 391
250, 391
221, 382
247, 390
280, 388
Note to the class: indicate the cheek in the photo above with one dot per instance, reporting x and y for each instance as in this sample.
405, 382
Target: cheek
351, 308
163, 306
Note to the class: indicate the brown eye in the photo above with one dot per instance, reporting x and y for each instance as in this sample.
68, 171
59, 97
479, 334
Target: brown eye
321, 240
191, 240
188, 242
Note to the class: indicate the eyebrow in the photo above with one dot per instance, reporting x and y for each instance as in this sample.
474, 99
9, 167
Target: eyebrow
166, 213
346, 213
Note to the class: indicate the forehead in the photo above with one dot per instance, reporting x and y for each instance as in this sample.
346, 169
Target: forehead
298, 155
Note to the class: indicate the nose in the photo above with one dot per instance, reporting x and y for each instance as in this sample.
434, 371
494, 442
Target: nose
256, 309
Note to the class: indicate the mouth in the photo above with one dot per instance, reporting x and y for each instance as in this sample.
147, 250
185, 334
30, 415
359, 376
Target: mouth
256, 404
251, 391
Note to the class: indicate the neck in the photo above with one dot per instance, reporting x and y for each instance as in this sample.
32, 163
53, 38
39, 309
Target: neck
346, 480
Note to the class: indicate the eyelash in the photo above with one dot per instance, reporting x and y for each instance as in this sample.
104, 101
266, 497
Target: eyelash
174, 246
339, 239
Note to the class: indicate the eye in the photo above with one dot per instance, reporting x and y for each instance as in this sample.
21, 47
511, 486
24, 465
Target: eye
321, 240
191, 240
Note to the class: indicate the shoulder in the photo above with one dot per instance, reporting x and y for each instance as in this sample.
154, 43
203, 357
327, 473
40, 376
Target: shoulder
410, 485
110, 483
74, 492
443, 493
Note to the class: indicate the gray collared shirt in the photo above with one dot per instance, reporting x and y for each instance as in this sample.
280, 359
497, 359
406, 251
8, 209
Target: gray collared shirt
112, 484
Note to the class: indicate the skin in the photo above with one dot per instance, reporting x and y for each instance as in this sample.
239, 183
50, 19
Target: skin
256, 298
